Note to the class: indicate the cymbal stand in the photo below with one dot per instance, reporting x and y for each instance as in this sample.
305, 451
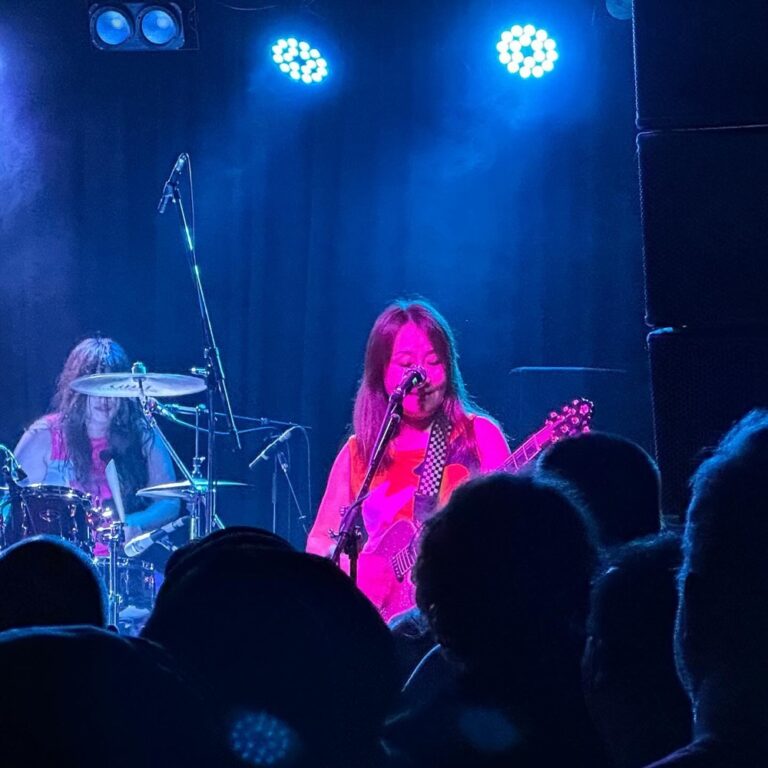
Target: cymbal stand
149, 406
114, 598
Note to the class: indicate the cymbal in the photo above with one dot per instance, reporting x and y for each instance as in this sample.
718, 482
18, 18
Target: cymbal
138, 384
183, 489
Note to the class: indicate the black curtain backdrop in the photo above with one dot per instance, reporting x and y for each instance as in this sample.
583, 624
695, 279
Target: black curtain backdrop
419, 168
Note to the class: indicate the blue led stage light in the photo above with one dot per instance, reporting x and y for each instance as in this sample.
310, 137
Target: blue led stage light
154, 26
527, 51
158, 26
299, 60
111, 26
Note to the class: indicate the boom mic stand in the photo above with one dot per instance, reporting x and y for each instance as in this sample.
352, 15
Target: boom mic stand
214, 369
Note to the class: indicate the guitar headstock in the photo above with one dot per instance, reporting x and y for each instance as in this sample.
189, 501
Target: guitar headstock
572, 419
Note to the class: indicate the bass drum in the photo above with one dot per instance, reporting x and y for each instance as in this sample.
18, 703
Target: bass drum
53, 510
135, 590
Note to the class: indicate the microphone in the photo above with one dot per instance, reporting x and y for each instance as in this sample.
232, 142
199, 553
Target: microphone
141, 543
414, 377
173, 180
265, 454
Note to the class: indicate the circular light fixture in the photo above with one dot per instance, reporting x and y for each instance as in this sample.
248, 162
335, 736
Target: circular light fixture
111, 27
261, 739
527, 51
299, 60
159, 26
620, 9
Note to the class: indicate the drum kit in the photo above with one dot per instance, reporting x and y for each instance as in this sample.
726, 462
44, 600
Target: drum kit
33, 509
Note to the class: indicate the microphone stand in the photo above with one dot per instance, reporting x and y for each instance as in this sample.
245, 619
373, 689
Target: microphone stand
283, 462
352, 534
214, 369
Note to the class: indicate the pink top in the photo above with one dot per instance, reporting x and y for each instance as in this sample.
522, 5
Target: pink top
98, 486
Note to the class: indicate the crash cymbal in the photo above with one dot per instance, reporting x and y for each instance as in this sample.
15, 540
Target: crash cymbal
138, 384
183, 489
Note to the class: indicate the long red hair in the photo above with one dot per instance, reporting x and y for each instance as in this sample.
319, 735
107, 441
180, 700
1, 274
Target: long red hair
371, 399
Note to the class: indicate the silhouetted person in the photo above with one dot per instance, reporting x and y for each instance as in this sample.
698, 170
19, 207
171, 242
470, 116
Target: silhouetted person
47, 581
284, 648
234, 537
83, 697
721, 633
618, 483
631, 684
503, 577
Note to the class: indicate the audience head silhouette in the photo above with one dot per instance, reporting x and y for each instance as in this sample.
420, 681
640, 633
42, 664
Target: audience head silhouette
721, 630
235, 537
504, 573
635, 697
503, 577
616, 479
725, 563
287, 651
83, 696
48, 582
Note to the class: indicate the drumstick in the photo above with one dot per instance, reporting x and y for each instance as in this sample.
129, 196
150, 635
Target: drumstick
113, 481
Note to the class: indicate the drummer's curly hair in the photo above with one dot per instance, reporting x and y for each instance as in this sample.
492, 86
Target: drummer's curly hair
129, 437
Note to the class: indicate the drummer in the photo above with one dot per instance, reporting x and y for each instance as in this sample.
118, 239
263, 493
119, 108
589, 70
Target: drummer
73, 445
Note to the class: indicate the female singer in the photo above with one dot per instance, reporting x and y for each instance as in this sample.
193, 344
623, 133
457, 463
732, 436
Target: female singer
406, 335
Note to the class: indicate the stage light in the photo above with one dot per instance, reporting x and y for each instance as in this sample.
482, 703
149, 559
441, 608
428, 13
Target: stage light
111, 27
163, 26
299, 60
527, 51
619, 9
158, 26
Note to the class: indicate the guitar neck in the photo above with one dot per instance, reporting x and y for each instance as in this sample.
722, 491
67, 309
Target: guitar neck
528, 451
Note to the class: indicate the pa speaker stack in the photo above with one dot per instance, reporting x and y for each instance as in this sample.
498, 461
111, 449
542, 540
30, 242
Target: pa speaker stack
702, 110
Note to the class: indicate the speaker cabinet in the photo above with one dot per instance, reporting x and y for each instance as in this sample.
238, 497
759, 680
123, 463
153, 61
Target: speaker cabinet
704, 197
703, 381
701, 63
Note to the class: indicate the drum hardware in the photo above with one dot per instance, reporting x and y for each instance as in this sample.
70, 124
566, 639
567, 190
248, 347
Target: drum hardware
196, 490
138, 383
114, 598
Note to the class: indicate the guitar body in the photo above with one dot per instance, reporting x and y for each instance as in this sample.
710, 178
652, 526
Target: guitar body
378, 574
385, 570
385, 567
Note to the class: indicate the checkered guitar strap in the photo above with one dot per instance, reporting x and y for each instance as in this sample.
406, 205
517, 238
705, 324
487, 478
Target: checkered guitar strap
425, 499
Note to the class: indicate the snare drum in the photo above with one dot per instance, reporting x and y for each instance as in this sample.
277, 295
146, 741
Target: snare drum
49, 509
135, 586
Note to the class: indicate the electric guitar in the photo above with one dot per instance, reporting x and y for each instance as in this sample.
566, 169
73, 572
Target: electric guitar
398, 546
